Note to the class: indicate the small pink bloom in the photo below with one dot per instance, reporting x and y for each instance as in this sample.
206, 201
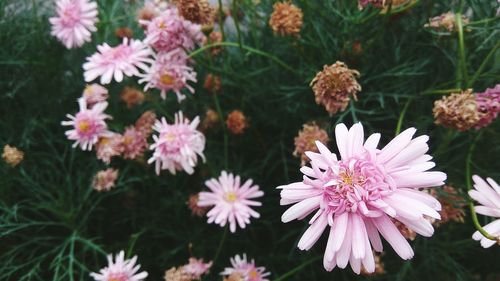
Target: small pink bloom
169, 31
88, 125
134, 143
74, 22
109, 146
232, 202
358, 194
95, 93
120, 270
246, 269
178, 145
124, 59
170, 72
105, 180
488, 103
487, 194
196, 268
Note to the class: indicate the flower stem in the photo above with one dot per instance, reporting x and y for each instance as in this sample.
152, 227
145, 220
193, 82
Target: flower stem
221, 243
236, 22
221, 20
297, 269
461, 49
402, 116
250, 49
224, 130
440, 92
469, 187
483, 65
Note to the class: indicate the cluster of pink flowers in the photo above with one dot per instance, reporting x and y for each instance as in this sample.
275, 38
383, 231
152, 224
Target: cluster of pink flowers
358, 195
488, 103
178, 145
245, 269
75, 22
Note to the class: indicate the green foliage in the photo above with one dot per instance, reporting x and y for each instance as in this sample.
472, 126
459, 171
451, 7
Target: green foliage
53, 226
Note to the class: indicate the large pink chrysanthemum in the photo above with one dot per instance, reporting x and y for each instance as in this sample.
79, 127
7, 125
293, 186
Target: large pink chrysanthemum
74, 22
177, 145
124, 59
88, 124
170, 72
488, 195
358, 194
246, 269
120, 270
169, 31
232, 201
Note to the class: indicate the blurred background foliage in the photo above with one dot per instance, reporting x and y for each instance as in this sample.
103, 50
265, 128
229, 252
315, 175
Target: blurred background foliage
53, 226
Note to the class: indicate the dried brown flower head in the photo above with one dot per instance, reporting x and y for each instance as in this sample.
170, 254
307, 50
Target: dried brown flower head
452, 205
305, 141
132, 96
458, 110
210, 121
286, 19
177, 274
145, 123
334, 85
212, 83
124, 32
197, 11
12, 156
445, 22
193, 205
214, 37
236, 122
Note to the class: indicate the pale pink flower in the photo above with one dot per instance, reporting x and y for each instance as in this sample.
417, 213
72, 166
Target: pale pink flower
232, 201
170, 72
247, 269
88, 124
169, 31
487, 193
109, 146
105, 180
196, 268
134, 143
115, 62
75, 21
488, 103
177, 145
95, 93
120, 270
358, 194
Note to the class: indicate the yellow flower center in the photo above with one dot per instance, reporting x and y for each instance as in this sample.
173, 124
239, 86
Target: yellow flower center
162, 25
230, 197
253, 274
169, 137
167, 79
346, 178
127, 140
83, 126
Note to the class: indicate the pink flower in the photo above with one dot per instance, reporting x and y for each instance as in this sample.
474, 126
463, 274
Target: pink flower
488, 195
88, 125
169, 31
196, 268
105, 180
109, 146
124, 59
232, 201
74, 22
488, 104
170, 72
120, 270
134, 143
246, 269
95, 93
358, 194
177, 145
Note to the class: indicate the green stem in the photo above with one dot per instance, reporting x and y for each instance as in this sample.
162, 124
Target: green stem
221, 20
221, 243
469, 187
402, 116
483, 21
297, 269
440, 92
224, 130
403, 7
236, 23
250, 49
461, 48
483, 65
